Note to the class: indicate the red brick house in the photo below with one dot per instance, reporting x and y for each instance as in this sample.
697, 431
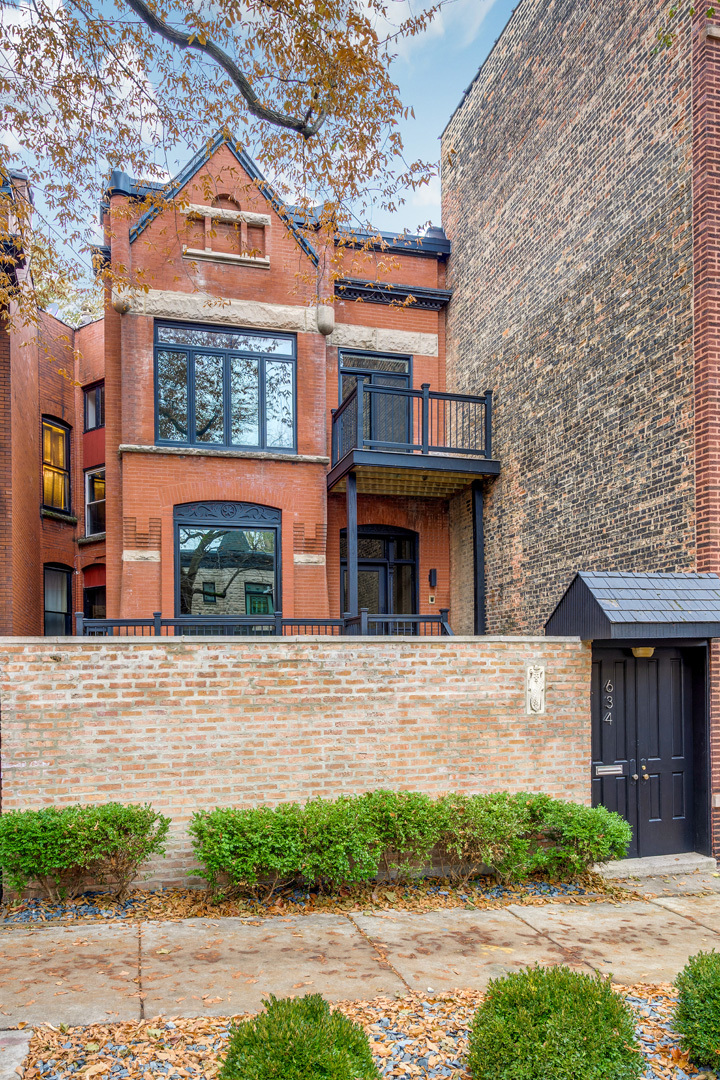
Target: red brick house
219, 447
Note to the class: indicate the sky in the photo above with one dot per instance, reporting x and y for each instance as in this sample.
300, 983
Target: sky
432, 72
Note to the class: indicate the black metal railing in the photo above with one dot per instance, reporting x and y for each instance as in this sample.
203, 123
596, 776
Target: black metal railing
266, 626
421, 421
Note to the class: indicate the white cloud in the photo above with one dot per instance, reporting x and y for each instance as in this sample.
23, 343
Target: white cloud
458, 19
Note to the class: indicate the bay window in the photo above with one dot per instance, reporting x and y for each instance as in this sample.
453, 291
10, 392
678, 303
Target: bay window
224, 388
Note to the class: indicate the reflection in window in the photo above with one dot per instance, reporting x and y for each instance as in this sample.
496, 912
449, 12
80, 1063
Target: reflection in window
95, 502
56, 466
226, 570
210, 393
172, 396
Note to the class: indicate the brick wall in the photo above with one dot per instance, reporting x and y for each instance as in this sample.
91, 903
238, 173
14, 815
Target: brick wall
567, 178
189, 724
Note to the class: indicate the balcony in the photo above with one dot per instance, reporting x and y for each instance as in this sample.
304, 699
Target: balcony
364, 624
398, 441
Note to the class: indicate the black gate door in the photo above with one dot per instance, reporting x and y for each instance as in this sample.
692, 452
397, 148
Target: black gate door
642, 746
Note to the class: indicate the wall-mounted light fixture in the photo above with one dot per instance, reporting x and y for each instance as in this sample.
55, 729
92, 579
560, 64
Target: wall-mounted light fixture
432, 578
643, 652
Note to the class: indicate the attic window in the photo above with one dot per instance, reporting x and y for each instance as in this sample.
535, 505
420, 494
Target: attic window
223, 232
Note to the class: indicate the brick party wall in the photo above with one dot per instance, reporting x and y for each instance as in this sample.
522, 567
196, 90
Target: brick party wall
188, 724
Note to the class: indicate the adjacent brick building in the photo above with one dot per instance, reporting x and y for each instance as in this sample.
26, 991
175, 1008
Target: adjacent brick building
581, 195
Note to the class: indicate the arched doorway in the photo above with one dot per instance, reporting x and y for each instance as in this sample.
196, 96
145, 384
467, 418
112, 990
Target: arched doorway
387, 570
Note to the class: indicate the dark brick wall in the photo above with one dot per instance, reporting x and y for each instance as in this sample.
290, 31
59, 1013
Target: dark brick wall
567, 196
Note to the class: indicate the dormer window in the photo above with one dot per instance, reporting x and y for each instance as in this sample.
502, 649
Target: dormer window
222, 232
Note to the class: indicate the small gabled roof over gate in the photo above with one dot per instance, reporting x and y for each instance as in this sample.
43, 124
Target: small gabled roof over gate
610, 606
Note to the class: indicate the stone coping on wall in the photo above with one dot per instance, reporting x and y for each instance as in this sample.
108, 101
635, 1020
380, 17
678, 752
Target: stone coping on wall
320, 639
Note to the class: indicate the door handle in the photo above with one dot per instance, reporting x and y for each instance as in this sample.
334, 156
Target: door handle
645, 776
634, 776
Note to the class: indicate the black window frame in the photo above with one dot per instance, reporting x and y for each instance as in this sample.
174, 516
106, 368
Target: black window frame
227, 515
211, 350
86, 474
388, 534
53, 421
68, 571
87, 605
354, 369
98, 389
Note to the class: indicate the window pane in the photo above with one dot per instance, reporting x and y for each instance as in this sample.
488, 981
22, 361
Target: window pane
244, 422
403, 600
94, 602
56, 590
56, 489
222, 563
374, 363
95, 486
279, 413
224, 339
54, 445
100, 400
55, 624
172, 396
90, 411
95, 518
209, 398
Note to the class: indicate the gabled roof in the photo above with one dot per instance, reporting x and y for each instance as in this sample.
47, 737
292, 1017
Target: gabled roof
121, 184
616, 605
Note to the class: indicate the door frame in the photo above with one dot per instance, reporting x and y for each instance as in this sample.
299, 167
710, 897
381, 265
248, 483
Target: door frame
386, 532
695, 654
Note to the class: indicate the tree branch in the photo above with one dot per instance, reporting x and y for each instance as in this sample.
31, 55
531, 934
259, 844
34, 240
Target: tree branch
255, 106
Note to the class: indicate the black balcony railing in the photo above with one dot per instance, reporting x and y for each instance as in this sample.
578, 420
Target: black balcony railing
267, 626
421, 421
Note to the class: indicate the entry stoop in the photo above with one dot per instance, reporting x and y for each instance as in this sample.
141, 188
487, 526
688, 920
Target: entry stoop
659, 866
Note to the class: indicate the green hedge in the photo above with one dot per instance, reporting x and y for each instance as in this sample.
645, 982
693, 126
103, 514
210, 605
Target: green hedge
295, 1039
350, 839
697, 1017
556, 1024
62, 848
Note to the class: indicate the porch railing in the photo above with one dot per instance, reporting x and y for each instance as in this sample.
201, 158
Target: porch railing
421, 421
267, 626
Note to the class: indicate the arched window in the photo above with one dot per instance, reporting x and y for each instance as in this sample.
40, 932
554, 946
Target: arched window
227, 559
57, 592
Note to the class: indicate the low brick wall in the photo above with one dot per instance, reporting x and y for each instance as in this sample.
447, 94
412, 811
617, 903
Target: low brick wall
196, 723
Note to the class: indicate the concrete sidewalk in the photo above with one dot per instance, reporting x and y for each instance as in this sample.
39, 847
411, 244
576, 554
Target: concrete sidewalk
103, 973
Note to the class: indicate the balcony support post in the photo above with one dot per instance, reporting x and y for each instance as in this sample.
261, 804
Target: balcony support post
425, 419
352, 543
478, 558
488, 423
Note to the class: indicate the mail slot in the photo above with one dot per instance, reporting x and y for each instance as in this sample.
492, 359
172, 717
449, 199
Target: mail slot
609, 770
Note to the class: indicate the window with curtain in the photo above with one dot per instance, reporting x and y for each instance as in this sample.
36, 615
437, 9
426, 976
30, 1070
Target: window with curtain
225, 388
95, 501
94, 407
56, 465
58, 600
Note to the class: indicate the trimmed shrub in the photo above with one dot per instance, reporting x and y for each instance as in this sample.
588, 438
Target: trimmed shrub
486, 830
61, 848
554, 1024
697, 1017
258, 849
339, 843
408, 826
578, 836
295, 1039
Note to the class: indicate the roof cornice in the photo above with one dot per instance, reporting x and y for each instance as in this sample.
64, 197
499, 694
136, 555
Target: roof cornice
381, 292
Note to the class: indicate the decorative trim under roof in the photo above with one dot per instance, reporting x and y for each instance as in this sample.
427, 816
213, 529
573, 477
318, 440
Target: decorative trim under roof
120, 184
624, 606
381, 292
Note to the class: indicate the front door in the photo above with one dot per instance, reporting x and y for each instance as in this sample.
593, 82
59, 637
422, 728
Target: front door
642, 749
387, 570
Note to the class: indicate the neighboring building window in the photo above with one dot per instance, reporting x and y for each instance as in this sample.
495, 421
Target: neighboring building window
56, 465
94, 602
58, 600
224, 388
95, 407
95, 501
227, 559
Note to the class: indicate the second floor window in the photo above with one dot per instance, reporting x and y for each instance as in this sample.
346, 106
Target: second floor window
94, 501
94, 407
225, 388
56, 465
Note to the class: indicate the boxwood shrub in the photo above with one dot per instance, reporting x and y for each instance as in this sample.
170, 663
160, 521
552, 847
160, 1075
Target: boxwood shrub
554, 1024
333, 842
697, 1017
61, 848
294, 1039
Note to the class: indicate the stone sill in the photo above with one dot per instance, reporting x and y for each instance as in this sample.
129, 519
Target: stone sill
262, 261
243, 455
56, 515
96, 538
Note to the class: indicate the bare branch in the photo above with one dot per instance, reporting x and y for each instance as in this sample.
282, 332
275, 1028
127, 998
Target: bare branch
255, 106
